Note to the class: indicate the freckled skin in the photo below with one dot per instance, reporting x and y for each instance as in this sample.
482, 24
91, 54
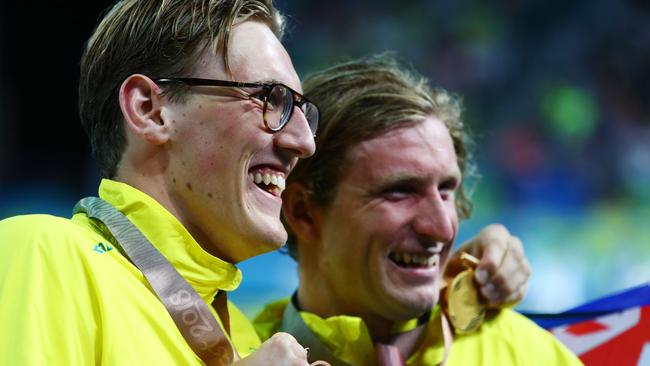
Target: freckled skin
241, 220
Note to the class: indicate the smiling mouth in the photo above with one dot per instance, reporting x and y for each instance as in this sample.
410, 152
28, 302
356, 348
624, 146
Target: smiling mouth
269, 181
412, 260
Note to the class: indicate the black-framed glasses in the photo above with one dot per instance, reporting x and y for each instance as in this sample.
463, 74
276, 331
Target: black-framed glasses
278, 100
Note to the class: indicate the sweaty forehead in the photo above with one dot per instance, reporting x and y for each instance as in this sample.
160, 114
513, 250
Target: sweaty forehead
255, 54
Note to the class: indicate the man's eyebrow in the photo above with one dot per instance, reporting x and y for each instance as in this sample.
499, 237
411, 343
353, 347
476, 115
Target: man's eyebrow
267, 81
380, 183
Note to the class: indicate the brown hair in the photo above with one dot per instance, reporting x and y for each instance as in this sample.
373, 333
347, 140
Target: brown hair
160, 38
362, 99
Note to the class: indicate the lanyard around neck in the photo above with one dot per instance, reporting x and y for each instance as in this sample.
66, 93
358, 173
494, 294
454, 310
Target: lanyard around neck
190, 313
394, 350
390, 351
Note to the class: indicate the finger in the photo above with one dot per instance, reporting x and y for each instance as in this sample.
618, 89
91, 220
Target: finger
498, 294
512, 257
518, 295
301, 353
495, 244
514, 268
284, 338
516, 248
511, 262
287, 342
513, 273
511, 300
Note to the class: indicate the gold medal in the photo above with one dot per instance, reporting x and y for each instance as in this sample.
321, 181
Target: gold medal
464, 307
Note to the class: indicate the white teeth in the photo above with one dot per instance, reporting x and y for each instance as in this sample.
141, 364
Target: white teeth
432, 260
414, 259
277, 180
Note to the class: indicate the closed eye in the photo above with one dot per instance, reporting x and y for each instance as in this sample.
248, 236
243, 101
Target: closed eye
399, 191
448, 188
258, 97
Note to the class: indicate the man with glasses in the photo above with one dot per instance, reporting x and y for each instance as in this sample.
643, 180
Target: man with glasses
194, 166
195, 117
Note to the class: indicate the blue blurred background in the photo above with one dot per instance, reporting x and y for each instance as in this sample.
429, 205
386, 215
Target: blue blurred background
556, 92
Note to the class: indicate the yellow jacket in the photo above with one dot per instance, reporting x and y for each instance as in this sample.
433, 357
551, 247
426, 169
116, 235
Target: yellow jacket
505, 339
68, 297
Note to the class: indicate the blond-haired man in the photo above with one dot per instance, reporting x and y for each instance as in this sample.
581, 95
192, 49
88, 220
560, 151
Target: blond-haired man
185, 103
373, 215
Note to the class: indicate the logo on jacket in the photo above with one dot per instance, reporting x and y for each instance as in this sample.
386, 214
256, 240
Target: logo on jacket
102, 248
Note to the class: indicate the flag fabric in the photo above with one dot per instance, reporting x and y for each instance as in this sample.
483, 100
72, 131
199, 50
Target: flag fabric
613, 330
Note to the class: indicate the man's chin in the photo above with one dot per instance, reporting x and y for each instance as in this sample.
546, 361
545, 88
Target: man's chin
272, 239
278, 236
413, 307
258, 239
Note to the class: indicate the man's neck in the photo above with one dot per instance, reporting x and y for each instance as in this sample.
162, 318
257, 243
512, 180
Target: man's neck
155, 186
313, 298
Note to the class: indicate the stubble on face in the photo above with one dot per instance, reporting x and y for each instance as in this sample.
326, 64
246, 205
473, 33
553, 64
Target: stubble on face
389, 230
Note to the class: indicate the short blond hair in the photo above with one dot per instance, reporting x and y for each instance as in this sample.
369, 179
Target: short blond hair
161, 38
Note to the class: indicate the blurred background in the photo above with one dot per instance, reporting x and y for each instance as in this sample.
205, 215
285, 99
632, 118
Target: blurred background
557, 94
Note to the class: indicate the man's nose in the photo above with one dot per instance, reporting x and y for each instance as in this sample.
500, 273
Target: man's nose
297, 136
435, 219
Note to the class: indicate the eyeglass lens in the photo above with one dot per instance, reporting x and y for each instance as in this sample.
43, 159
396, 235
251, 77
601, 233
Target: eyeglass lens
279, 106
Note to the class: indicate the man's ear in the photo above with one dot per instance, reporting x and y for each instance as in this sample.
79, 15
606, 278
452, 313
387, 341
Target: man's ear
141, 102
300, 212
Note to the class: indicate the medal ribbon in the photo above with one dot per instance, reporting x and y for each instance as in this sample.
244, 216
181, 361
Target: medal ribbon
394, 350
190, 313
